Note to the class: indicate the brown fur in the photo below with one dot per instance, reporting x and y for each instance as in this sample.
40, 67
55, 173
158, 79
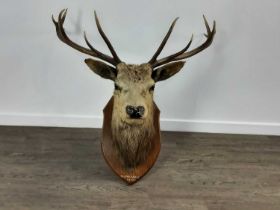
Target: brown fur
133, 137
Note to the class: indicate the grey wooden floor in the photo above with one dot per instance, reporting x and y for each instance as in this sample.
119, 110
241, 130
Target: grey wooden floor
62, 168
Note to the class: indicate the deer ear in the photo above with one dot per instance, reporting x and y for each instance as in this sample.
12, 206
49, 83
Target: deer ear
168, 70
102, 69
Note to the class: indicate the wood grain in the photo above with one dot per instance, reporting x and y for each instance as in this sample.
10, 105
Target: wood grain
63, 168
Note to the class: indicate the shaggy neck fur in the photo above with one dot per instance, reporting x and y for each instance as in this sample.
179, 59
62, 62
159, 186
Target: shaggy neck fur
133, 142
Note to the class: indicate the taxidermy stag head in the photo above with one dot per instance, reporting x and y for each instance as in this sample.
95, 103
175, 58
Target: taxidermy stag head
132, 121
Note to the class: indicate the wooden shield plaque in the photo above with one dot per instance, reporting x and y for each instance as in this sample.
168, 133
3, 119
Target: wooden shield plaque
130, 176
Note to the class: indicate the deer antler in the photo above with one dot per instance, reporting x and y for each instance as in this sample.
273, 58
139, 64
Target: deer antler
183, 54
92, 51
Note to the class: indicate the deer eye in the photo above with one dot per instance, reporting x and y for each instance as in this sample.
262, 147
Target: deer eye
117, 87
152, 88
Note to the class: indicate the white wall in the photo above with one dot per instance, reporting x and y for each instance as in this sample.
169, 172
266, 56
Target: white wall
231, 87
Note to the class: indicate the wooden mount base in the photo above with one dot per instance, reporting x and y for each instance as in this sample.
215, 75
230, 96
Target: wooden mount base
130, 176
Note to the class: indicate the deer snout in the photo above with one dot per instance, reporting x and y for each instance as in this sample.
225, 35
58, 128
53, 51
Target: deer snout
135, 112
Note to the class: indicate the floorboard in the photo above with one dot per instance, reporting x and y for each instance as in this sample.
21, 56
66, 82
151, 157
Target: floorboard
62, 168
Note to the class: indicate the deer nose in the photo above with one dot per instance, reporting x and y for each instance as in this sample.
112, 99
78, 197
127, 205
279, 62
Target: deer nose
135, 112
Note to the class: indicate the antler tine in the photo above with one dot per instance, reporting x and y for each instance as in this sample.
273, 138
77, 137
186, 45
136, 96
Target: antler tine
161, 46
171, 57
210, 36
103, 35
183, 54
206, 25
64, 38
102, 56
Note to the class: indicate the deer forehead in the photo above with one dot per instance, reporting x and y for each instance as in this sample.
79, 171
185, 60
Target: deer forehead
134, 74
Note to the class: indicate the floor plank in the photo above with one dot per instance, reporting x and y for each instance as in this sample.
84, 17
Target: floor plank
62, 168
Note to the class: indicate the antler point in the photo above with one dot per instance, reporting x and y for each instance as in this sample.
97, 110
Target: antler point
53, 19
65, 12
175, 20
95, 14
